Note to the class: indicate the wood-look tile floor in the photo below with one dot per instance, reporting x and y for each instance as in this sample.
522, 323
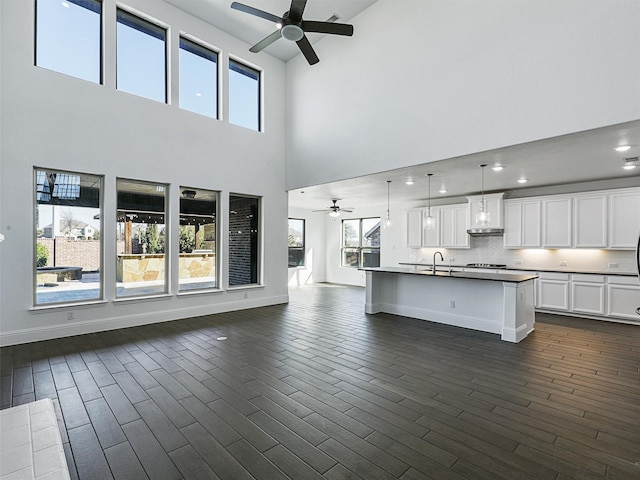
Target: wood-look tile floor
317, 389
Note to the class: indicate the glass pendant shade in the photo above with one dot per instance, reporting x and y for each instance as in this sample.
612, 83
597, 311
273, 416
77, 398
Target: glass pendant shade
429, 221
387, 221
482, 216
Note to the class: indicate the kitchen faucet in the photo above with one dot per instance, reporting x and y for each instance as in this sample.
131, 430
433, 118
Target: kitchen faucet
434, 260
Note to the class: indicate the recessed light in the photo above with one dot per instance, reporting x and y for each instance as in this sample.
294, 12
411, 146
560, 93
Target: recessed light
622, 148
630, 163
522, 180
443, 190
409, 181
65, 4
497, 168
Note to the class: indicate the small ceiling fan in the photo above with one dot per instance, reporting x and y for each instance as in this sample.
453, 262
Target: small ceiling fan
293, 27
335, 210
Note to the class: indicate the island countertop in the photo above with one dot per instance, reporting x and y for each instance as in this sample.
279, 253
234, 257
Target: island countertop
497, 277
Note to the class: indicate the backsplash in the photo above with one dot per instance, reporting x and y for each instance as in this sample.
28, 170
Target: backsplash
490, 250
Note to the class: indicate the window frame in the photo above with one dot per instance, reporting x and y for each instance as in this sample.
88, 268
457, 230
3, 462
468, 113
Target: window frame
260, 74
197, 44
149, 25
216, 250
304, 245
167, 235
360, 249
100, 36
258, 242
101, 195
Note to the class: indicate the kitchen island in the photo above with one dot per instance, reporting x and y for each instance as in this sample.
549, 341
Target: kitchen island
489, 302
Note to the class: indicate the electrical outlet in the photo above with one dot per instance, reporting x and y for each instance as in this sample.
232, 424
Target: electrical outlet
452, 259
71, 316
563, 263
613, 265
452, 304
246, 294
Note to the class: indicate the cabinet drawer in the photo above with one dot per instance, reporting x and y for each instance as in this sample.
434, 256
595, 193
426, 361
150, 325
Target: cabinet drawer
623, 280
579, 277
554, 276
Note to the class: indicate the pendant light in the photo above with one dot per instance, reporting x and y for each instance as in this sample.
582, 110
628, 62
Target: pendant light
429, 221
483, 217
387, 221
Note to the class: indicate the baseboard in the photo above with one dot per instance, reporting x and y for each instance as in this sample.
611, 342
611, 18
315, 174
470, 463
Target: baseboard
67, 329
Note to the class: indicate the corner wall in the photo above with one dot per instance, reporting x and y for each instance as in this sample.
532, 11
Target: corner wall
53, 120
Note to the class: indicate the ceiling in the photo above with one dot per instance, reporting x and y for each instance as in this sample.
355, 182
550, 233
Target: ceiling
252, 29
581, 157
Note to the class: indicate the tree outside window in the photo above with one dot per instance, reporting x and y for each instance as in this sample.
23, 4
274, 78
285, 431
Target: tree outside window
361, 242
296, 242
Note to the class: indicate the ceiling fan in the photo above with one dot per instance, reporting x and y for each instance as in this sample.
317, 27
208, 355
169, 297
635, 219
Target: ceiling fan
293, 27
335, 210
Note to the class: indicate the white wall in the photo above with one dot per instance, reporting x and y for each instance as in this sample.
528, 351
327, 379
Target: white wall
425, 80
55, 121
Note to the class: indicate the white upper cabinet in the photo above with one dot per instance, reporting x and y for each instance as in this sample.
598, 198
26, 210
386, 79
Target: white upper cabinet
624, 219
556, 222
590, 221
454, 222
414, 228
522, 223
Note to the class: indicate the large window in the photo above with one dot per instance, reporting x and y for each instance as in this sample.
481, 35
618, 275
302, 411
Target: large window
361, 242
244, 240
296, 242
141, 57
68, 245
198, 78
197, 238
244, 95
68, 37
140, 238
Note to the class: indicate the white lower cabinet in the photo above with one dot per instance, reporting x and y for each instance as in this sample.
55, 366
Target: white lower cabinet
623, 295
553, 291
588, 294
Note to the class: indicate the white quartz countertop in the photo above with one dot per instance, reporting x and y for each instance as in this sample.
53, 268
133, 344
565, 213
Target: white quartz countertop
497, 277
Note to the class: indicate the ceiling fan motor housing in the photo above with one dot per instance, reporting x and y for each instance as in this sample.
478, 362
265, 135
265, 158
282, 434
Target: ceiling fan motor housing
292, 32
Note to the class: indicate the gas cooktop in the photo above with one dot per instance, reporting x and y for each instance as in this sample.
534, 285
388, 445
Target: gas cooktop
486, 265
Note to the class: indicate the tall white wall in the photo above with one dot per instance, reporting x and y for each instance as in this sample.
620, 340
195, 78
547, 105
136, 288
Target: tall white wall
425, 80
56, 121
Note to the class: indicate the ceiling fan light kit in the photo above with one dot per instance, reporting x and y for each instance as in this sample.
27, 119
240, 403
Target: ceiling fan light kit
291, 26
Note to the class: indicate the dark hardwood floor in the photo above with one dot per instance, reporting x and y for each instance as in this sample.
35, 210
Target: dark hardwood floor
317, 389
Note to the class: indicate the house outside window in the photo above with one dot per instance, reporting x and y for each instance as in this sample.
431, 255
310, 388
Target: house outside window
296, 240
361, 242
68, 244
69, 37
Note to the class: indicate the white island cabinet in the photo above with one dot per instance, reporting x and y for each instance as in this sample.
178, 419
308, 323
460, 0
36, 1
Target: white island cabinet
490, 302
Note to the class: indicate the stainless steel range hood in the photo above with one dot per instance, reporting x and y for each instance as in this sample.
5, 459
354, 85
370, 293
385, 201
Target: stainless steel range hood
486, 232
